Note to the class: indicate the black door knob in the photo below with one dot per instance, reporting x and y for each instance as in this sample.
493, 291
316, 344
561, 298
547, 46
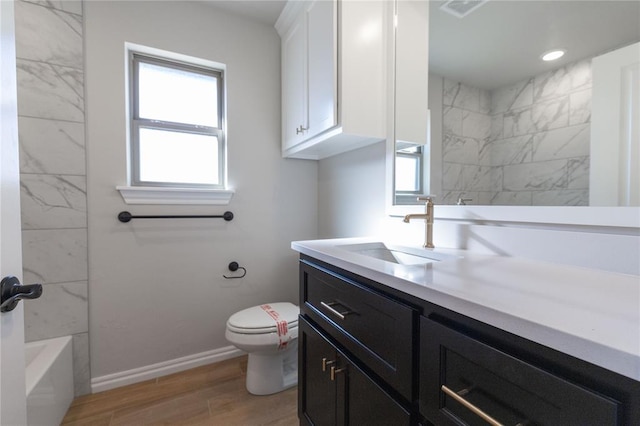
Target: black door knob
11, 292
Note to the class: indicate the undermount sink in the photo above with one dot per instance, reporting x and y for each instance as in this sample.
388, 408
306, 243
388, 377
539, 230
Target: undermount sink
396, 254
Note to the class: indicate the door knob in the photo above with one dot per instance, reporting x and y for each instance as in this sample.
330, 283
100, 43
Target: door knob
11, 292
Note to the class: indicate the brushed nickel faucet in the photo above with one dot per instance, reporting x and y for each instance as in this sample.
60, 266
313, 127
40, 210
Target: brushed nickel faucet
428, 219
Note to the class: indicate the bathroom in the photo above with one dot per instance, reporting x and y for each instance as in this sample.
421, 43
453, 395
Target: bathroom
148, 298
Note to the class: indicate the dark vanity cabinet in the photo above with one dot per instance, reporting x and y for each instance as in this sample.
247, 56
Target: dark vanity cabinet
335, 391
466, 381
372, 355
356, 353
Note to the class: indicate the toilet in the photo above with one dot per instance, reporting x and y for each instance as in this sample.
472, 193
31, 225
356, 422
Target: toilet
269, 334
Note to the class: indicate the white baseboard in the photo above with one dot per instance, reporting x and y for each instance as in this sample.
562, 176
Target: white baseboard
111, 381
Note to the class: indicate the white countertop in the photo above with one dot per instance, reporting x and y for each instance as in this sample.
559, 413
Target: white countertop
589, 314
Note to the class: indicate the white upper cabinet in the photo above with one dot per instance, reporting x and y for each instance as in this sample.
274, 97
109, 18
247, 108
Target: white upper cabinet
334, 76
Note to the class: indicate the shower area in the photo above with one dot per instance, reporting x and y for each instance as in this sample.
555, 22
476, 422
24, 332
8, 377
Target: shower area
526, 143
51, 124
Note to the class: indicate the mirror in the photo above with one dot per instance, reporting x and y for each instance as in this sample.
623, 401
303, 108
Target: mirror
507, 128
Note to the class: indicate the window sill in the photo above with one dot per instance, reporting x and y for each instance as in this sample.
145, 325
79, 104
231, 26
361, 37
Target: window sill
159, 195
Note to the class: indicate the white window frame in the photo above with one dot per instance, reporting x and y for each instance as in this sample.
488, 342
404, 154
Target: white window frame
140, 192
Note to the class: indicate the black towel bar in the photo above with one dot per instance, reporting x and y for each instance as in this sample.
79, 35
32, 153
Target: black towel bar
125, 217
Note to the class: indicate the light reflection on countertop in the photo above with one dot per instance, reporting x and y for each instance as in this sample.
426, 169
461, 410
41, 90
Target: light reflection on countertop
591, 314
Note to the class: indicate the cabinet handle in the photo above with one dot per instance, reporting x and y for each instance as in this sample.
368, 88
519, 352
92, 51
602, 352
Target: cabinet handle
470, 406
335, 371
301, 129
340, 315
326, 362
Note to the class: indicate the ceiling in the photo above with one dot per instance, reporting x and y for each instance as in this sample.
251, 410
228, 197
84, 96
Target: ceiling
500, 42
264, 11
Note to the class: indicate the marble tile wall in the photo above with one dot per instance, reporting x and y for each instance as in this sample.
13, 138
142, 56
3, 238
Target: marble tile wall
50, 71
525, 144
466, 130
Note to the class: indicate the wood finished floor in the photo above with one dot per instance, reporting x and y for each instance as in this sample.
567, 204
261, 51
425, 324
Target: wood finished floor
210, 395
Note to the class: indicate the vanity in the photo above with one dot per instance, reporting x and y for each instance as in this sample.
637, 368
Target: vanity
395, 335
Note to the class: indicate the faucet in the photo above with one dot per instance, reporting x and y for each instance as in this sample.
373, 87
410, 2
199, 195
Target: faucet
463, 201
428, 219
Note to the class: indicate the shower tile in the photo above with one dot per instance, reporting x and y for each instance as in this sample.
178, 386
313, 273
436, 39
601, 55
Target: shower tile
551, 115
460, 150
578, 173
452, 177
550, 85
536, 176
81, 365
580, 107
476, 125
48, 35
497, 127
508, 151
566, 197
517, 96
510, 198
50, 91
566, 142
518, 123
71, 6
485, 101
49, 201
452, 120
60, 311
54, 255
461, 96
52, 147
477, 178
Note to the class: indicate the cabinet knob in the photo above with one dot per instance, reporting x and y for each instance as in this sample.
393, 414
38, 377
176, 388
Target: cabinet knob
301, 129
326, 362
335, 371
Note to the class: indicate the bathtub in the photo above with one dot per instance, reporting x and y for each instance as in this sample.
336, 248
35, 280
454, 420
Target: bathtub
49, 379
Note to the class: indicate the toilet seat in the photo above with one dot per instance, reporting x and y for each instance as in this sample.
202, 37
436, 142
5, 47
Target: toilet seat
263, 319
269, 335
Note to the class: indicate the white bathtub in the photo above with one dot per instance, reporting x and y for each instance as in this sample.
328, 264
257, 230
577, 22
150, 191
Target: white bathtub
49, 377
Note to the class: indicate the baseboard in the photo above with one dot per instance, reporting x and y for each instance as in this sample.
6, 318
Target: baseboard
148, 372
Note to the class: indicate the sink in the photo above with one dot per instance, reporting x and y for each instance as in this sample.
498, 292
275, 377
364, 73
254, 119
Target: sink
396, 254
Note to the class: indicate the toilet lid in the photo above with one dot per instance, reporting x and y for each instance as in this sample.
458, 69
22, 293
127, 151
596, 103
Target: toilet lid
264, 318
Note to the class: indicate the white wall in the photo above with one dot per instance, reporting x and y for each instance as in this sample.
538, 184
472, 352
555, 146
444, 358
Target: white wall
156, 291
351, 204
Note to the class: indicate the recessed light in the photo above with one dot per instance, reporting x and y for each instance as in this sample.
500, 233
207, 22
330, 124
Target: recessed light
553, 55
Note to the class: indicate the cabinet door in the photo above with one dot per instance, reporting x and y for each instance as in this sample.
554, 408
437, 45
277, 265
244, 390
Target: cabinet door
333, 390
463, 379
366, 403
316, 390
294, 85
322, 70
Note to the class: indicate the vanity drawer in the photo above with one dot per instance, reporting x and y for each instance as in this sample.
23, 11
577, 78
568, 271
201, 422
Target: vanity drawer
375, 328
460, 375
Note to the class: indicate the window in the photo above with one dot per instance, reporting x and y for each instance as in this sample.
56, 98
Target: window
177, 124
409, 170
177, 135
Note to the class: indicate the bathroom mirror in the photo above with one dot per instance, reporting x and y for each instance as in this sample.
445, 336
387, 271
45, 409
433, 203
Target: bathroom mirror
506, 127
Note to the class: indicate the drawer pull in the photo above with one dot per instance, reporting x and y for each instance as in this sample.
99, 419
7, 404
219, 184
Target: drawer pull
329, 307
335, 371
326, 362
470, 406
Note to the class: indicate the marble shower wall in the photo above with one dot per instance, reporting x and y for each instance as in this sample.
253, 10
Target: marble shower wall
525, 144
50, 71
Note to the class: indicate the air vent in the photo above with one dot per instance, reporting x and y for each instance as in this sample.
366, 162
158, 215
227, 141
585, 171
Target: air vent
461, 8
